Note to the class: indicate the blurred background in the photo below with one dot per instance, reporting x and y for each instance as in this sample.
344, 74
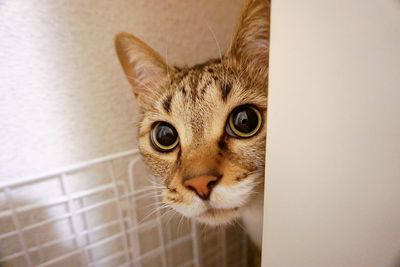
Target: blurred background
66, 107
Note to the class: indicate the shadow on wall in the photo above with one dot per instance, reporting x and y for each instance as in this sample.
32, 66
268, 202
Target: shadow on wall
100, 116
64, 97
396, 262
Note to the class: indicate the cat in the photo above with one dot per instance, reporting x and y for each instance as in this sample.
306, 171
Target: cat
203, 128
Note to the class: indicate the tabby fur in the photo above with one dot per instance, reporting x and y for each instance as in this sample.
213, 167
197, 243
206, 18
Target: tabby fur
197, 101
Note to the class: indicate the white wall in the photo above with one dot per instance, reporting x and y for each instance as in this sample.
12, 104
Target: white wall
63, 97
333, 159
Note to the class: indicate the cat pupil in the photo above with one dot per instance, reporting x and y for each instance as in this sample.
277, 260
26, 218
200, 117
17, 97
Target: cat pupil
246, 120
165, 135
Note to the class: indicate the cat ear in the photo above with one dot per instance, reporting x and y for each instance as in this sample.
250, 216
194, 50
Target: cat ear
251, 40
144, 68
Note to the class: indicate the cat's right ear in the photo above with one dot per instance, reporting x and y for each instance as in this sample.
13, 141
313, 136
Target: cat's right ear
251, 41
144, 68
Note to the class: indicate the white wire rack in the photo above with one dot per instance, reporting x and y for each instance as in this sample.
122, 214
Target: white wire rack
103, 213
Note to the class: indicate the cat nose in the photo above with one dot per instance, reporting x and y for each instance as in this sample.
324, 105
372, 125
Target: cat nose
202, 185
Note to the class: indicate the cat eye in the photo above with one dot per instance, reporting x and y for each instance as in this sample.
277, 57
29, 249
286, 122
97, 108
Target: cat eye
244, 121
164, 137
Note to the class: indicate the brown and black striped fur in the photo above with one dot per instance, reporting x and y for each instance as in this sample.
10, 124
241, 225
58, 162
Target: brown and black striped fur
197, 101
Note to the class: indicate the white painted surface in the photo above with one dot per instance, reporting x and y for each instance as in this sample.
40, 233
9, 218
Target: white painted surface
333, 163
63, 97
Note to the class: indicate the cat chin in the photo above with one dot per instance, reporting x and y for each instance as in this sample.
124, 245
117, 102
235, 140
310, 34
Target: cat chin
218, 217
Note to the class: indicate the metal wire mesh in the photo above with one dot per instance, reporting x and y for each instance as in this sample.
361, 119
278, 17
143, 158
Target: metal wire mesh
104, 213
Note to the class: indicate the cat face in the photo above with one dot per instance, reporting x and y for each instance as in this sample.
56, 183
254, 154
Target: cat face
203, 128
198, 103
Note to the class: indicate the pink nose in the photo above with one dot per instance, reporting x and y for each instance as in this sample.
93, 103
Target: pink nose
202, 185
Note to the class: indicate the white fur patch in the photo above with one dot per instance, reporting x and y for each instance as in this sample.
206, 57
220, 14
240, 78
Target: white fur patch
225, 197
222, 197
194, 207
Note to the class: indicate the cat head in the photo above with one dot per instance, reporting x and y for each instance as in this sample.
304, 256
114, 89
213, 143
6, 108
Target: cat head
203, 127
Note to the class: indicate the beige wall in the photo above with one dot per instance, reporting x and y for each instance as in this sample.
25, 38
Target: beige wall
64, 98
333, 163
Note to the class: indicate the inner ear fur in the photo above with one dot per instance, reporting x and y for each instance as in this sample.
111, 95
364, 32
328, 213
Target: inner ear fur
144, 68
250, 45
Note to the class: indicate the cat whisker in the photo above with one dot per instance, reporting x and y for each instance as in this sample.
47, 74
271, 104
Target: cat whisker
215, 39
182, 220
167, 214
237, 222
257, 171
154, 204
204, 231
150, 194
171, 217
157, 186
154, 211
155, 183
166, 58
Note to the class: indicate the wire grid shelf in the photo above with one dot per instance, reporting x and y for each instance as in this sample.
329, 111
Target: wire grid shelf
96, 214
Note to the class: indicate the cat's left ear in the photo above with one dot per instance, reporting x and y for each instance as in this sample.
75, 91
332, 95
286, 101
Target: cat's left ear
251, 41
144, 68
